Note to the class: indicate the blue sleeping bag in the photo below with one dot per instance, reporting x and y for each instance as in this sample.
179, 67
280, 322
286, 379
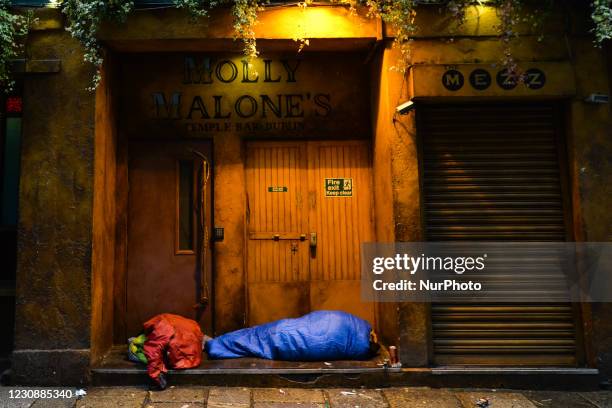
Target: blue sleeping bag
317, 336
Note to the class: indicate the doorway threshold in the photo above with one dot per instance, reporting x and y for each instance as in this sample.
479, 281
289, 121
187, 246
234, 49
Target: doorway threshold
116, 369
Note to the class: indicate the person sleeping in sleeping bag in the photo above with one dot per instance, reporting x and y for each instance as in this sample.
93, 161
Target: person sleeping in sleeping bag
318, 336
171, 341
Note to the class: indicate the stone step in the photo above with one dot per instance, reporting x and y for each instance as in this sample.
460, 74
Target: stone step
116, 370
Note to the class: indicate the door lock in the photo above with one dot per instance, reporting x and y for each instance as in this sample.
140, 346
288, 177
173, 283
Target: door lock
313, 240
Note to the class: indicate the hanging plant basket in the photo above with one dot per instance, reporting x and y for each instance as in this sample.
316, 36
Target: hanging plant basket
85, 16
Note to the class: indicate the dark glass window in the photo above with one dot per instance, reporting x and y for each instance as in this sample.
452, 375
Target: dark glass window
185, 205
10, 171
10, 161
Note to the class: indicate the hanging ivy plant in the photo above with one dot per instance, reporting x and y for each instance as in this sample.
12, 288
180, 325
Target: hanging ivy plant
245, 18
400, 14
195, 7
13, 28
602, 17
508, 13
84, 18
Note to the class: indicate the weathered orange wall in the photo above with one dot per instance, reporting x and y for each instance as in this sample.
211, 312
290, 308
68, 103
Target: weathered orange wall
54, 272
397, 200
104, 215
590, 152
166, 26
230, 187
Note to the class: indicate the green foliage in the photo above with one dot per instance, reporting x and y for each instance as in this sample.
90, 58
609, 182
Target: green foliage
196, 8
602, 17
400, 15
84, 18
245, 18
508, 12
13, 28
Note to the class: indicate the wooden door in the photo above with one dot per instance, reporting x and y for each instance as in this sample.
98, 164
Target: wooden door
341, 213
309, 209
277, 260
165, 235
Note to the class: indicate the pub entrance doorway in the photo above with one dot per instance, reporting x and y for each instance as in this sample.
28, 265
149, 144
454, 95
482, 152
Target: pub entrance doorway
169, 217
309, 208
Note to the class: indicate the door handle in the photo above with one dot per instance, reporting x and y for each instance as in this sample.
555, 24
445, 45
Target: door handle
313, 240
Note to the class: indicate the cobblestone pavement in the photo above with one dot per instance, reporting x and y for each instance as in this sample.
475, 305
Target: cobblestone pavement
215, 397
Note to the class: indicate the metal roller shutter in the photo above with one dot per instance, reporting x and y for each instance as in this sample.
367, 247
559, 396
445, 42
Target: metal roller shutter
492, 172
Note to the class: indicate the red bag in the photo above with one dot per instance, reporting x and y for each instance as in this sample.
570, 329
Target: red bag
174, 339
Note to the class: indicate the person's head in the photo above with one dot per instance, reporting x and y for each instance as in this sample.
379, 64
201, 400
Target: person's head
204, 340
374, 345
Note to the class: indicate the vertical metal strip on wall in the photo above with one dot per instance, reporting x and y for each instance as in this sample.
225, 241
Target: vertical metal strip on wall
492, 173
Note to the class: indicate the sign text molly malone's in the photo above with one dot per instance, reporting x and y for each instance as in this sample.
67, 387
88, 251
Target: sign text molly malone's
209, 71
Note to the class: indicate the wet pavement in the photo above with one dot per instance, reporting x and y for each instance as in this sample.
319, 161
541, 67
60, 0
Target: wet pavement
397, 397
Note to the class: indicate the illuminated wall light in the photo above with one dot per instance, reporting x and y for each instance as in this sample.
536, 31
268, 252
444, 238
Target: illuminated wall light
313, 22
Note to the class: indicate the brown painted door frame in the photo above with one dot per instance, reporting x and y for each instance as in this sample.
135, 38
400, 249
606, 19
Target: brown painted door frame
288, 272
165, 236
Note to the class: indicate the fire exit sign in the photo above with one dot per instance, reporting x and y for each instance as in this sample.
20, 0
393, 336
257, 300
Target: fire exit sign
338, 187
